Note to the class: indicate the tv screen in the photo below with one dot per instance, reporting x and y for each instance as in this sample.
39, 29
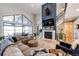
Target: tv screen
49, 22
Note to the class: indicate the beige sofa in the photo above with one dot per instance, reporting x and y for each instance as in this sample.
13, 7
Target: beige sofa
46, 44
20, 49
13, 50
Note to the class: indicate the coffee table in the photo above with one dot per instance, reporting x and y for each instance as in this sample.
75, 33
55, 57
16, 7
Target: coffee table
58, 52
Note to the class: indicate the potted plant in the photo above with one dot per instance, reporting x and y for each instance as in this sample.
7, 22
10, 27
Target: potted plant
1, 38
61, 35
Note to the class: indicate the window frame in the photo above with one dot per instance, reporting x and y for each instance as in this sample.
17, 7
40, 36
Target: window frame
15, 25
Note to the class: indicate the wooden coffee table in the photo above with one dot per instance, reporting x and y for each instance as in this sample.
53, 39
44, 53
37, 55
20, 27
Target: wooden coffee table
58, 52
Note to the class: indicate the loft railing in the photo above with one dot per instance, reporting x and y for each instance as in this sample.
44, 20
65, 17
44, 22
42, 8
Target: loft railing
61, 14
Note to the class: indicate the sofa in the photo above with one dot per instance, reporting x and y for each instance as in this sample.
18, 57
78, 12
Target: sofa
11, 47
67, 48
8, 48
76, 51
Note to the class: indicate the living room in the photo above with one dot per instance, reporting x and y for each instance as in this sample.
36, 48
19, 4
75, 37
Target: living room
39, 29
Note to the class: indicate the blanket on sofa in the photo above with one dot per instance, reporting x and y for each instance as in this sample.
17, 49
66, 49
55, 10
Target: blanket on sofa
8, 48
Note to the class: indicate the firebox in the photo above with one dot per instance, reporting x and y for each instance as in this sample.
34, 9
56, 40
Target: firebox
48, 35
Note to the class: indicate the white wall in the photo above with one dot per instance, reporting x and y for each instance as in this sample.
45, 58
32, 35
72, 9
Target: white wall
76, 31
71, 10
39, 21
1, 27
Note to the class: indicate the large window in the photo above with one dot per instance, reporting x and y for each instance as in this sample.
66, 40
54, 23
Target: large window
17, 24
18, 30
27, 29
18, 20
8, 30
8, 18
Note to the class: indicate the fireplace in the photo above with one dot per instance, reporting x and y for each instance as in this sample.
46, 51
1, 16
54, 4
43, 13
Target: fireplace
48, 35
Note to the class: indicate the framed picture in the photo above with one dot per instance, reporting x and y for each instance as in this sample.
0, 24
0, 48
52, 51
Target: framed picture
48, 11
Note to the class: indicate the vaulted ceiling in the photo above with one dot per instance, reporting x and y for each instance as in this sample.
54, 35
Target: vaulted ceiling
36, 8
19, 8
72, 10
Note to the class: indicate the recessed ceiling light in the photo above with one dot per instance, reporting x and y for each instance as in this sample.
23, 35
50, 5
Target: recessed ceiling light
77, 9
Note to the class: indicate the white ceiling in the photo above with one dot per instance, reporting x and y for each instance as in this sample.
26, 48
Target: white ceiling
72, 10
19, 8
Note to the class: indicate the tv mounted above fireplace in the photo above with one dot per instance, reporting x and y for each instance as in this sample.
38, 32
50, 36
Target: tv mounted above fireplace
49, 22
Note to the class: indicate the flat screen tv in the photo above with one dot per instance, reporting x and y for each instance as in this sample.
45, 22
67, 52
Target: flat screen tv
49, 22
